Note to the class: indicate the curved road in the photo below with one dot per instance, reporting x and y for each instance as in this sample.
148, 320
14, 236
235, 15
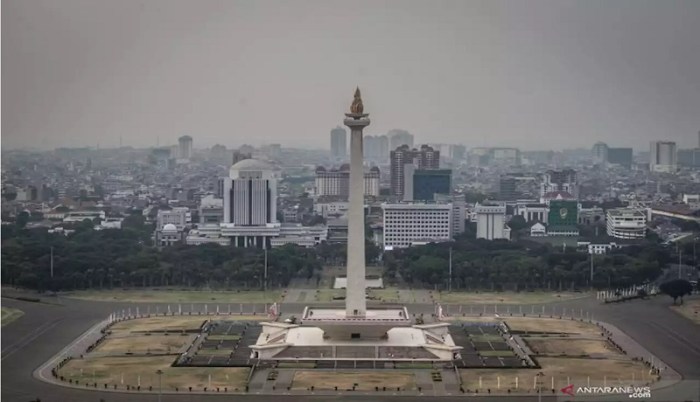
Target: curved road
45, 329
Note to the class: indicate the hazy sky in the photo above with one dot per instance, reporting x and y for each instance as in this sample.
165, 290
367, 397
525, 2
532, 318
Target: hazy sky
532, 74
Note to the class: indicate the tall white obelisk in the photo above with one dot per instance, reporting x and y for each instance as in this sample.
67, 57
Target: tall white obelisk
355, 304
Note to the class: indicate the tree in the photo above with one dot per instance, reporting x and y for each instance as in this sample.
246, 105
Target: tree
517, 223
676, 288
22, 219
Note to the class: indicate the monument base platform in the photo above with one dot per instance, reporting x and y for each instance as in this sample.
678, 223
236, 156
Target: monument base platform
281, 341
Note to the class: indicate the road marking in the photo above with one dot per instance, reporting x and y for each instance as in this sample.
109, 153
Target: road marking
40, 372
33, 335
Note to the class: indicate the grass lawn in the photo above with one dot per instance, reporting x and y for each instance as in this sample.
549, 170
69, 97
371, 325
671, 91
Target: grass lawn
214, 352
160, 324
496, 353
486, 338
689, 308
111, 369
551, 325
177, 296
389, 295
366, 381
535, 324
574, 347
177, 323
564, 371
326, 295
223, 337
504, 297
10, 314
142, 344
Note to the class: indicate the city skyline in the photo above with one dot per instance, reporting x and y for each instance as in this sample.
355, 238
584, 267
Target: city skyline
473, 73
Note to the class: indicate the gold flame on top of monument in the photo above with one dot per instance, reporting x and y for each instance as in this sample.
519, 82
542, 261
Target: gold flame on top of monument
357, 107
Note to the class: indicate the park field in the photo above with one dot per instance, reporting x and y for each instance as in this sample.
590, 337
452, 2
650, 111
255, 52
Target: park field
689, 309
505, 297
176, 296
563, 371
365, 380
135, 370
145, 344
175, 323
10, 314
540, 325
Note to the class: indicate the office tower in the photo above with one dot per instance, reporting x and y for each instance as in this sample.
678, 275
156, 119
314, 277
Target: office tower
662, 156
336, 182
184, 147
398, 138
425, 158
559, 181
416, 223
491, 221
600, 152
250, 194
507, 188
239, 156
428, 182
338, 143
620, 156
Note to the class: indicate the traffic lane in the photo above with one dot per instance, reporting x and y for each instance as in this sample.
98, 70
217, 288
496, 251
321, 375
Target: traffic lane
663, 332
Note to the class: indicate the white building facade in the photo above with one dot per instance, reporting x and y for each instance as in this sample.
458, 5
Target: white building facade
491, 221
416, 223
662, 156
626, 223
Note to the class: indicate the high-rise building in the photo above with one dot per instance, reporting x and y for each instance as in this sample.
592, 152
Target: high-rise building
555, 181
239, 156
425, 158
620, 156
416, 223
339, 143
250, 194
336, 182
662, 156
507, 188
491, 221
689, 157
398, 138
428, 182
184, 147
562, 218
626, 223
600, 152
376, 148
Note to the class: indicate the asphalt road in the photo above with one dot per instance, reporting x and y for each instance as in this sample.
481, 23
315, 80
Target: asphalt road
45, 329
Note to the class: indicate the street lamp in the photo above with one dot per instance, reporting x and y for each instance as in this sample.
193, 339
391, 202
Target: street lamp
160, 384
539, 386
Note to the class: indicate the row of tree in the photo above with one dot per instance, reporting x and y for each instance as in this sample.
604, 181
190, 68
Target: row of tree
498, 265
124, 258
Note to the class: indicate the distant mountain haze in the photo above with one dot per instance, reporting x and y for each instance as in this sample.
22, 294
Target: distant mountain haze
534, 74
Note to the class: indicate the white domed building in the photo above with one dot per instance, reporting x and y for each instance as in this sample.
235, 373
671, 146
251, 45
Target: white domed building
168, 235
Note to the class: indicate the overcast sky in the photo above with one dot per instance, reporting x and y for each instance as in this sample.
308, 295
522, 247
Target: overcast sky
531, 74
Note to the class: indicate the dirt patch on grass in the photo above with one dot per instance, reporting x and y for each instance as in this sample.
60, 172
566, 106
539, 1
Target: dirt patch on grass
573, 347
366, 381
111, 370
177, 296
504, 297
551, 325
160, 324
563, 370
142, 344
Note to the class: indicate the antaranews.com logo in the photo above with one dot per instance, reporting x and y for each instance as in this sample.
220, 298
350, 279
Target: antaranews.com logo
631, 392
